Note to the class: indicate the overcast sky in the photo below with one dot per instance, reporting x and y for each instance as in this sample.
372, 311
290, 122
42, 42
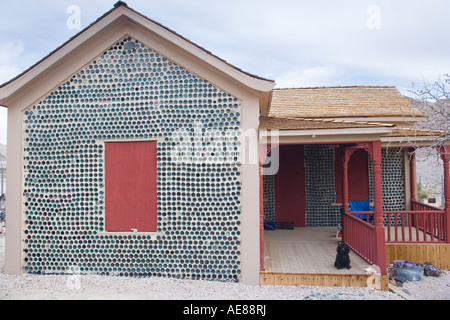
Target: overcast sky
294, 42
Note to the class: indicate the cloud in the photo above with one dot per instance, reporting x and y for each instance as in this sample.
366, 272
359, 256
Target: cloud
10, 55
308, 77
295, 43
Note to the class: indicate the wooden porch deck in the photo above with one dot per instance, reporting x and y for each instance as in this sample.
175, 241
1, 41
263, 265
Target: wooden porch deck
306, 250
305, 256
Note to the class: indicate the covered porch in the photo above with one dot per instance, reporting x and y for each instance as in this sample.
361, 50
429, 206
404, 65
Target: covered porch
337, 144
419, 226
306, 254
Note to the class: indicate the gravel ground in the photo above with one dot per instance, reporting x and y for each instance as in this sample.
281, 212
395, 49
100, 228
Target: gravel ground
88, 287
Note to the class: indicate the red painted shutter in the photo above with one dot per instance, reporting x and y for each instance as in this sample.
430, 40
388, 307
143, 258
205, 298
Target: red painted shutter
130, 186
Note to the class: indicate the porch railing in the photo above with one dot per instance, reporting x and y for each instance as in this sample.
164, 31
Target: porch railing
360, 236
423, 224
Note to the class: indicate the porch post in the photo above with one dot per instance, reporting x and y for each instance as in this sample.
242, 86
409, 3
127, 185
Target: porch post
380, 245
346, 156
346, 159
412, 168
445, 155
262, 160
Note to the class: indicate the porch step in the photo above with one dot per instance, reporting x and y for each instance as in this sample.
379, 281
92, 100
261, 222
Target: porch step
320, 279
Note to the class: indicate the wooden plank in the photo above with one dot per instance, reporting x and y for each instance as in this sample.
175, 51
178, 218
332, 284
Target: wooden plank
437, 254
314, 279
399, 292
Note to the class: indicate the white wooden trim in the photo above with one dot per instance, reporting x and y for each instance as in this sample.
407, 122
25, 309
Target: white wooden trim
324, 132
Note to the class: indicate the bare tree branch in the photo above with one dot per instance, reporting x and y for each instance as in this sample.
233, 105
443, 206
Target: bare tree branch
434, 101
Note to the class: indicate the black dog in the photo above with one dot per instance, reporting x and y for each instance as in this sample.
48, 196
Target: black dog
342, 257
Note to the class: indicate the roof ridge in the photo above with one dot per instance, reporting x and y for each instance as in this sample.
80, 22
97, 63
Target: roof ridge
120, 3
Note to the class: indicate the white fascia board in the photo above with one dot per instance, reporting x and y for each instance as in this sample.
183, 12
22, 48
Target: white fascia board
325, 132
409, 139
386, 119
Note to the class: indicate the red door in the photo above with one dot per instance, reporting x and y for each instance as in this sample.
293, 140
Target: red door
130, 186
290, 186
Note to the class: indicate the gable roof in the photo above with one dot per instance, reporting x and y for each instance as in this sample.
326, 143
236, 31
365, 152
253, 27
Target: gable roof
340, 102
121, 13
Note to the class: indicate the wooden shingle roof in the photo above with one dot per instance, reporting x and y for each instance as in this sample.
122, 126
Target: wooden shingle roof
336, 102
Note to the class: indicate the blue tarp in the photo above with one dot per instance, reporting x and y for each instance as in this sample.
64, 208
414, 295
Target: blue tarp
407, 270
269, 225
360, 206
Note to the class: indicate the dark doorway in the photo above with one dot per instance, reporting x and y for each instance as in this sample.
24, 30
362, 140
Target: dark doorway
290, 186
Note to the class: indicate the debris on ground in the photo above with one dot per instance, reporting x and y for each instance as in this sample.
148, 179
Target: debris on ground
269, 225
430, 270
410, 279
